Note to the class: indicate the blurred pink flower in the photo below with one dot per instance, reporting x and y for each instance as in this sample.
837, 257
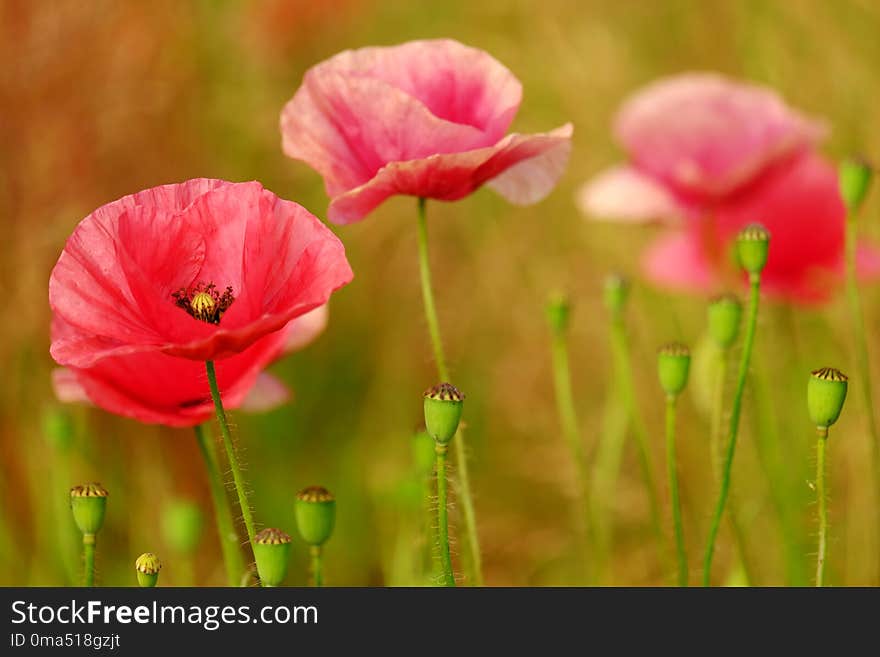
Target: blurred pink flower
425, 118
708, 155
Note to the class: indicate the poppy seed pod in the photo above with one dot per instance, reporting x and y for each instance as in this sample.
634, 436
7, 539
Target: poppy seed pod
182, 523
725, 313
616, 292
88, 503
826, 392
855, 177
673, 364
558, 312
753, 247
443, 406
147, 567
315, 510
272, 552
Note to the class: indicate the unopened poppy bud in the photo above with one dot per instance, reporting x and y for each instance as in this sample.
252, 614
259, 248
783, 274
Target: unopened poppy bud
182, 523
58, 428
443, 405
616, 292
423, 453
147, 567
753, 247
826, 392
855, 177
558, 312
725, 313
272, 552
673, 363
88, 503
315, 510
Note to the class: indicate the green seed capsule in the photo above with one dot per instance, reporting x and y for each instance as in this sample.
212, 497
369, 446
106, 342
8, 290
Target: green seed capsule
616, 293
315, 510
673, 364
753, 247
443, 406
826, 392
272, 552
558, 313
88, 503
147, 567
423, 453
182, 523
855, 179
725, 313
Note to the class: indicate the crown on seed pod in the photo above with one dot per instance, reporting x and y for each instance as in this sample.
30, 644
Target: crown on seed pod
88, 503
272, 553
826, 392
147, 567
673, 364
443, 406
753, 247
315, 511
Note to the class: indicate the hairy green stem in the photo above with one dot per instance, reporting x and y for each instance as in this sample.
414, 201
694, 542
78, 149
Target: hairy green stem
822, 552
727, 466
316, 553
623, 371
229, 541
672, 472
857, 320
465, 498
568, 421
237, 477
89, 559
443, 518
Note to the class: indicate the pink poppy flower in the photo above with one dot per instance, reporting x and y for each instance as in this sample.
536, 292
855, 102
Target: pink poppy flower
150, 286
426, 119
708, 155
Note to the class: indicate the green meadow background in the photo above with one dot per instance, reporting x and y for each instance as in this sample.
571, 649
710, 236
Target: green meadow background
100, 99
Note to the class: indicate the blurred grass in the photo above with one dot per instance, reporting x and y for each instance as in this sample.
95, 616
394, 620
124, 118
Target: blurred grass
101, 99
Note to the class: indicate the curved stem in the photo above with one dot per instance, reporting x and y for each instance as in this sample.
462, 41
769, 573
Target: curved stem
748, 344
623, 369
317, 558
89, 559
672, 472
443, 518
823, 507
465, 497
568, 422
857, 319
229, 541
237, 477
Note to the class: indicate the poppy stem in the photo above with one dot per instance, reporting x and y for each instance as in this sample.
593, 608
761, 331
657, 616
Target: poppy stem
727, 465
89, 559
237, 477
229, 540
823, 507
672, 472
565, 407
443, 517
317, 564
464, 486
857, 320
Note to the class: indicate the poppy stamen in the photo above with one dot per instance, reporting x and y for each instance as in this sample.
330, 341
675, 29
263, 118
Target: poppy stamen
203, 302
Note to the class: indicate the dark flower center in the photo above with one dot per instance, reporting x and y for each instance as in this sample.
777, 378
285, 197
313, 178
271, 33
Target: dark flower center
203, 302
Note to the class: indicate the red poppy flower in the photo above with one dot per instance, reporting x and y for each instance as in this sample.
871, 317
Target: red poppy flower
150, 286
426, 118
714, 155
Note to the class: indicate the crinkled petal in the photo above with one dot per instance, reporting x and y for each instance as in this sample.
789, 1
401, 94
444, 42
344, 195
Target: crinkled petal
453, 176
624, 194
706, 134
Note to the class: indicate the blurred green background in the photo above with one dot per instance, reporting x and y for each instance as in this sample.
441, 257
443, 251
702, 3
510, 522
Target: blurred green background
103, 98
